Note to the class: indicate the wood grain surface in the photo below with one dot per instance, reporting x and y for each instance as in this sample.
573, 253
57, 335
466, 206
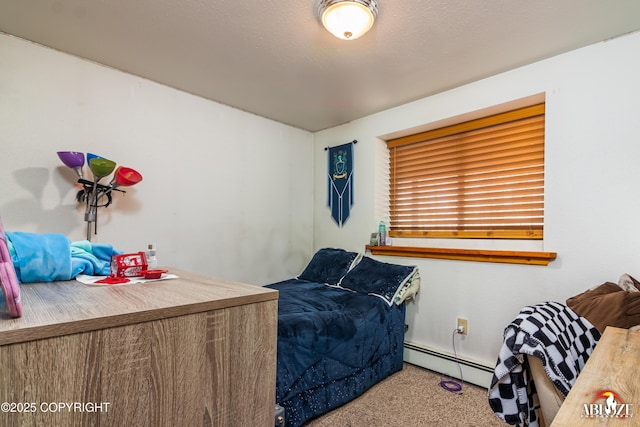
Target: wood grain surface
58, 308
613, 366
191, 351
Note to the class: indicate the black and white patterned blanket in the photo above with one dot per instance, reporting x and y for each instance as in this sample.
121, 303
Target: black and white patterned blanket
556, 335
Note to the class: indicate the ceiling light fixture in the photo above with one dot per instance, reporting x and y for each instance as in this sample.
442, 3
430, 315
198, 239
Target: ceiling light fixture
348, 19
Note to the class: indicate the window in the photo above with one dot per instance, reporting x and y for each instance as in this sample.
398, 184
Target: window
483, 178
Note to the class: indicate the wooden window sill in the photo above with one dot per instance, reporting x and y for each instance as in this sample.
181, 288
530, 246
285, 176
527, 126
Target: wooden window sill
480, 255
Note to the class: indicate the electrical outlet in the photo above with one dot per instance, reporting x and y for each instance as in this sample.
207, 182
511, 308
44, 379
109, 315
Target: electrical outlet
464, 324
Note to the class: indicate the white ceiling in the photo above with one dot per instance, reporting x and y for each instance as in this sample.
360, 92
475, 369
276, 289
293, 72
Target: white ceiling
274, 59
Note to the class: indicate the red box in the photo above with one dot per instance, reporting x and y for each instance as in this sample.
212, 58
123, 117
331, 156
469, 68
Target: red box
128, 265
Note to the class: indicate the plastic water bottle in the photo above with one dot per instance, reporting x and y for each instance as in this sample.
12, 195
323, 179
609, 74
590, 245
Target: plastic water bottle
382, 231
152, 260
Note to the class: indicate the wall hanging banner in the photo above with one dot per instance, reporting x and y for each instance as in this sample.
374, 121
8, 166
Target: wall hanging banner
340, 182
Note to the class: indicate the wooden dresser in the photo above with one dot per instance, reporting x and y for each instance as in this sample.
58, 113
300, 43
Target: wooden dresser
192, 351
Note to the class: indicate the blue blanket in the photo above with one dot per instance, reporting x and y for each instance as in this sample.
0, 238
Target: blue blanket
333, 344
51, 257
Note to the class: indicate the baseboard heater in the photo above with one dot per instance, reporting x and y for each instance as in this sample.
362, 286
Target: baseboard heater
435, 360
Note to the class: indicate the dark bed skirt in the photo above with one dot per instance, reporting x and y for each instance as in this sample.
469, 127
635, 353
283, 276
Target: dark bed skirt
322, 399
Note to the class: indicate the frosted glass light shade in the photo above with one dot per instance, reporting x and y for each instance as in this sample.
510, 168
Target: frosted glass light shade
348, 19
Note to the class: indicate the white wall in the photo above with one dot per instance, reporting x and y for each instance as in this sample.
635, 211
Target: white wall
225, 193
592, 177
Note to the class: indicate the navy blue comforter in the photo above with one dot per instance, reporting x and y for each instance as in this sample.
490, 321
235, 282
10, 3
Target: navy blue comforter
333, 344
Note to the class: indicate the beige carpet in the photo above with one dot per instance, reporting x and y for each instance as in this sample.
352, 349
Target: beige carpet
412, 398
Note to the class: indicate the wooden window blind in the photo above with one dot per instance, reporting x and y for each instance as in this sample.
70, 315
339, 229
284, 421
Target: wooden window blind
479, 179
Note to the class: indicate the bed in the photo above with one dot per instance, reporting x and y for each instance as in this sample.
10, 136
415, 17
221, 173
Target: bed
340, 330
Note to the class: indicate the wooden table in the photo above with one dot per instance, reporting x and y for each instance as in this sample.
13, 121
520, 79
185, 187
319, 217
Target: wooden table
613, 366
189, 351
